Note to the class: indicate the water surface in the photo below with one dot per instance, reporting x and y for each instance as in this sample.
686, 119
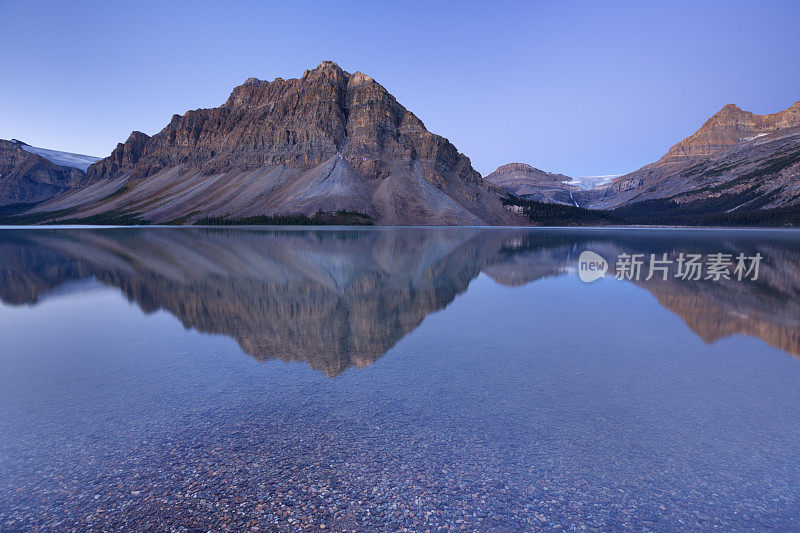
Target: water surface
386, 378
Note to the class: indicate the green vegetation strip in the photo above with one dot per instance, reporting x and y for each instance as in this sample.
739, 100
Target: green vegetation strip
338, 218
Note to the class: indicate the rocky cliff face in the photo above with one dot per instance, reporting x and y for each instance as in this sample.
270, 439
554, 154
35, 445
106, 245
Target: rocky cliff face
728, 127
737, 168
327, 141
28, 178
736, 160
531, 183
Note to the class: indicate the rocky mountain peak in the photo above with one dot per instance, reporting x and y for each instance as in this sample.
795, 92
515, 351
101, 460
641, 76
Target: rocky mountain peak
726, 128
734, 153
525, 171
531, 183
328, 71
341, 140
790, 118
729, 116
330, 68
730, 109
255, 82
298, 121
27, 177
125, 155
516, 167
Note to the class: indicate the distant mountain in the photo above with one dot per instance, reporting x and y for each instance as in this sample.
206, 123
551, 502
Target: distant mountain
730, 126
29, 174
739, 168
329, 141
529, 183
64, 159
737, 162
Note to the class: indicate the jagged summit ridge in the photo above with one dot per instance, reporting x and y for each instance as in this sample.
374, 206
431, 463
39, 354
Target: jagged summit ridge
299, 121
737, 159
727, 127
329, 140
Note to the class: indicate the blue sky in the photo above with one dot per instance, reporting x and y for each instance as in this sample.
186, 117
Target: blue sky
582, 88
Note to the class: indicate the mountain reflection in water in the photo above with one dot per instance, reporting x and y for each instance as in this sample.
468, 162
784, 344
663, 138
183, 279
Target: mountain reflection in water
342, 298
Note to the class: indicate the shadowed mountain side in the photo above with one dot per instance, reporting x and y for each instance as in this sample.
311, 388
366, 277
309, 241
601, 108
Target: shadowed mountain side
328, 141
736, 162
738, 169
337, 299
27, 177
529, 183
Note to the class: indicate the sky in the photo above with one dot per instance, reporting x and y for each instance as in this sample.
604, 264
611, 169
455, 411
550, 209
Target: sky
581, 88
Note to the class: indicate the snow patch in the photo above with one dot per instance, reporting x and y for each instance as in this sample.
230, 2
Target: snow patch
754, 137
66, 159
592, 182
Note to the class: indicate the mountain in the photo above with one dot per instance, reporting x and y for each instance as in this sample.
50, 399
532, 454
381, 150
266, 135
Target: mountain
728, 127
64, 159
337, 147
329, 141
26, 176
736, 163
739, 168
529, 183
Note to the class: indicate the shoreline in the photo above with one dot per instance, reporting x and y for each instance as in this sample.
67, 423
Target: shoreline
384, 227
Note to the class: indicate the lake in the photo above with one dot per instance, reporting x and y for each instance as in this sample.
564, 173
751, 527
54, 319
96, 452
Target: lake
386, 378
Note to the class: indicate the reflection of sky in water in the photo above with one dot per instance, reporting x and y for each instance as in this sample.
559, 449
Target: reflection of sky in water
72, 288
550, 402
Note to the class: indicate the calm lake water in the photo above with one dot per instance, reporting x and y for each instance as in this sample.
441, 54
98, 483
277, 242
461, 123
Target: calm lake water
387, 378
